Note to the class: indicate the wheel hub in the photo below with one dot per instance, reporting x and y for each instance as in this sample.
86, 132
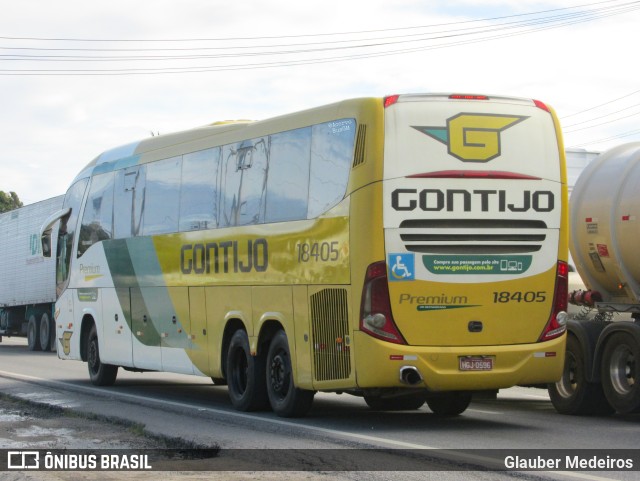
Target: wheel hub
623, 370
278, 374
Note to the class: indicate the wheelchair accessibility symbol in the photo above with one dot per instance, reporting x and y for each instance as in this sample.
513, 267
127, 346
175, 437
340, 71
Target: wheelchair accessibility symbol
401, 267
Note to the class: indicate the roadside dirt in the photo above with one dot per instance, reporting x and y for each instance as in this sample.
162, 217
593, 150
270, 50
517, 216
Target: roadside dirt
28, 425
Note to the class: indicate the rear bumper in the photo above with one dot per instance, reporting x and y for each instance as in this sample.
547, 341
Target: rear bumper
379, 363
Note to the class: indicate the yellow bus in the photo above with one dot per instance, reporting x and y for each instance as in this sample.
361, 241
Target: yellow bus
406, 249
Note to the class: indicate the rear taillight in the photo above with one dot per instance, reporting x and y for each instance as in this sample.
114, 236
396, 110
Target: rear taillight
541, 105
389, 100
557, 324
375, 310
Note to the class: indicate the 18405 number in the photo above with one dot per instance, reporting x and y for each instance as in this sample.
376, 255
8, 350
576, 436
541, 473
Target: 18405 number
318, 251
519, 296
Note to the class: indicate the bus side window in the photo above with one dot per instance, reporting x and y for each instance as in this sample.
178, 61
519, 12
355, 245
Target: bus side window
199, 190
97, 219
244, 171
288, 176
162, 197
254, 159
331, 157
128, 202
230, 192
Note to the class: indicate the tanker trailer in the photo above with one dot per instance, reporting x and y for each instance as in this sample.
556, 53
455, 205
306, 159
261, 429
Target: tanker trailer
602, 364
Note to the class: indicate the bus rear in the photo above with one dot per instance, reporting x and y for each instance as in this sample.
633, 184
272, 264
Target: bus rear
474, 216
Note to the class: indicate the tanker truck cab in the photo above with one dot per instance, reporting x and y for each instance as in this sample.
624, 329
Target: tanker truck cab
475, 239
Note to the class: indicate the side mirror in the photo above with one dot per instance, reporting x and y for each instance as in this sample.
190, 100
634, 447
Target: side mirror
46, 242
47, 227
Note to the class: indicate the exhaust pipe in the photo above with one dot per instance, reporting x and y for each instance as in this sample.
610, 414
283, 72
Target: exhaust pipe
410, 375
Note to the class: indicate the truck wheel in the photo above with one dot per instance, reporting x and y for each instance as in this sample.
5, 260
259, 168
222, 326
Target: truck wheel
33, 333
449, 404
99, 373
46, 334
245, 375
621, 372
408, 402
573, 394
286, 400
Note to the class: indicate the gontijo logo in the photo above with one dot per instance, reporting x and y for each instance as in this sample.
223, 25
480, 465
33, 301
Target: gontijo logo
472, 137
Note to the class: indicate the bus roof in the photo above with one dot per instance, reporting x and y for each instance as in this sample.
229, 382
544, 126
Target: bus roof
199, 138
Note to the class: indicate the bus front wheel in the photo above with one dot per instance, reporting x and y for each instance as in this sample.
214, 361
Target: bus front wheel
245, 375
286, 399
100, 374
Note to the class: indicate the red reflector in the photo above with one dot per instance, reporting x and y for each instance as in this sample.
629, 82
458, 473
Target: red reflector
589, 219
390, 100
472, 174
563, 269
377, 269
541, 105
626, 217
468, 97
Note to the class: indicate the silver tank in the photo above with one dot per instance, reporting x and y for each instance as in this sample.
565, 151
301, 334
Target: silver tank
604, 213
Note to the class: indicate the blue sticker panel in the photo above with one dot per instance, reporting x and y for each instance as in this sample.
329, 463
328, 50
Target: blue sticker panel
401, 267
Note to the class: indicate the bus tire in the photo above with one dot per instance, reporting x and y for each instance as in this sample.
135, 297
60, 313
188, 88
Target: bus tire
33, 333
245, 375
100, 374
286, 400
449, 404
621, 372
46, 334
573, 394
408, 402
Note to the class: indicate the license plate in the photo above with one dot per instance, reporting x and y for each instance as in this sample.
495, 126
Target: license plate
476, 363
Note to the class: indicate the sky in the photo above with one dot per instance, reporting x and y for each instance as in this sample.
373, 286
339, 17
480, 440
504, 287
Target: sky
78, 78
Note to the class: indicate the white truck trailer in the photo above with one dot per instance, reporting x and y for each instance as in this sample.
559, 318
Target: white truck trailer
602, 366
27, 279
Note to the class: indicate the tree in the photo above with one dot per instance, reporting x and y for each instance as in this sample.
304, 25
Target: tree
9, 201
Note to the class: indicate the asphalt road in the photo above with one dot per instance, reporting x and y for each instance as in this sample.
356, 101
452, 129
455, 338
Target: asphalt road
193, 409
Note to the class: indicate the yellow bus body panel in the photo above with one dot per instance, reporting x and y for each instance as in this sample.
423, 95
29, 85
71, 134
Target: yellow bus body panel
378, 364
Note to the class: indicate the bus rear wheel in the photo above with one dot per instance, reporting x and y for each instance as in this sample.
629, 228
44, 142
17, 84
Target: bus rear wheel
245, 375
286, 400
449, 404
100, 374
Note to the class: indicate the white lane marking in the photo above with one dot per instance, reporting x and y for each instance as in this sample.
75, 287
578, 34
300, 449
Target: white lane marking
466, 457
484, 412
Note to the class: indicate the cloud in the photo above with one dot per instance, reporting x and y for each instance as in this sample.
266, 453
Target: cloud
52, 126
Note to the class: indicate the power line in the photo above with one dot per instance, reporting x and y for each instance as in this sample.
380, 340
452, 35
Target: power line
375, 47
53, 39
601, 123
601, 105
600, 116
607, 139
563, 19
